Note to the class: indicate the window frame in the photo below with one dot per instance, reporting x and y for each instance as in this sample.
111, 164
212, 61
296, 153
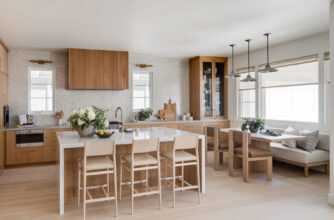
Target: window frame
239, 103
260, 105
150, 88
262, 90
30, 69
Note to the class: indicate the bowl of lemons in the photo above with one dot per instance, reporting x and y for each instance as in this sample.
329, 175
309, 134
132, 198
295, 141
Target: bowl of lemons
104, 133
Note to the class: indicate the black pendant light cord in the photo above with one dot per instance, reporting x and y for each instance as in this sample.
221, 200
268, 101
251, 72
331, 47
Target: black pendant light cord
248, 55
267, 34
232, 45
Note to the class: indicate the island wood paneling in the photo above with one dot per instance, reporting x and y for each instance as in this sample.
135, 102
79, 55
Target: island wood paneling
71, 156
98, 69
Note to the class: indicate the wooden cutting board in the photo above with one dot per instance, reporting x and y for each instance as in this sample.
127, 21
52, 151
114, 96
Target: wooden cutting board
169, 112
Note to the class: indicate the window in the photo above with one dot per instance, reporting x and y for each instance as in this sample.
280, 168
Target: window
291, 94
247, 100
41, 90
142, 90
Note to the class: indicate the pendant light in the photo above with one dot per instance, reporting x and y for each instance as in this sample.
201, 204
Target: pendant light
248, 78
268, 68
232, 73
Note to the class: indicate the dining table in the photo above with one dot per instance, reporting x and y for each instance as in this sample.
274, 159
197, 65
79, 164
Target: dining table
263, 141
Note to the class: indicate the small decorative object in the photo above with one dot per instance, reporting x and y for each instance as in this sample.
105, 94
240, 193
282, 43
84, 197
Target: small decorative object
188, 116
168, 113
144, 114
254, 125
184, 117
87, 120
104, 133
191, 118
40, 61
60, 116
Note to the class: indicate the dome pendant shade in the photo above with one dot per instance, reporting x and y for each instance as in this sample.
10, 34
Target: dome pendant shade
268, 68
232, 73
249, 78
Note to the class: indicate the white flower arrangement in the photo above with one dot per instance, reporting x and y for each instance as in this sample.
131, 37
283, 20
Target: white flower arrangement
90, 116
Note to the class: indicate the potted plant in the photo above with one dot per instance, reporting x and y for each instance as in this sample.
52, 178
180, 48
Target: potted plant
254, 124
87, 120
144, 114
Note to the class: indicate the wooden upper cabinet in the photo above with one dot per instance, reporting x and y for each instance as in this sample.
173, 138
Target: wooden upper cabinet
3, 58
208, 92
76, 69
92, 66
98, 69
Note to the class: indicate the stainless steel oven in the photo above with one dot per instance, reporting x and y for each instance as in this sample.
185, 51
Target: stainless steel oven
30, 138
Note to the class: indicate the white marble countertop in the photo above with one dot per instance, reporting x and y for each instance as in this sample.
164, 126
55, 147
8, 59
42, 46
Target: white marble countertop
36, 127
71, 139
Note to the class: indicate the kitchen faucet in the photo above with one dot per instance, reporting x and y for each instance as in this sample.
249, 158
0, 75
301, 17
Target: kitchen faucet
121, 125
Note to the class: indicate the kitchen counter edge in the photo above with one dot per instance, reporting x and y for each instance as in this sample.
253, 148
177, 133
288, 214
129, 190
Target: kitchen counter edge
125, 124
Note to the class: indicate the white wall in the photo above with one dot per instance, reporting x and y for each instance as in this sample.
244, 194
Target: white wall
316, 44
170, 81
331, 31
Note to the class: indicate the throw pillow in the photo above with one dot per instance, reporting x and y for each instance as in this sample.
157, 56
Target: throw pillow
311, 142
291, 144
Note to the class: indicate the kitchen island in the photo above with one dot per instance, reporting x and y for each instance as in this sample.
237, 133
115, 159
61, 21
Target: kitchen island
71, 145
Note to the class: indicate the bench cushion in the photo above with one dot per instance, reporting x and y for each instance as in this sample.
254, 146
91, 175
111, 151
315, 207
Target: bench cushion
298, 155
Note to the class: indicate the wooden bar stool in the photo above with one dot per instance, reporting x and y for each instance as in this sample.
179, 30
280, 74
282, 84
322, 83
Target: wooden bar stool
97, 161
141, 159
239, 146
218, 147
179, 157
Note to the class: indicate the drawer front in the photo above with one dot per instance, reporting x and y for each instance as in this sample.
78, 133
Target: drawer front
191, 127
165, 125
29, 155
51, 144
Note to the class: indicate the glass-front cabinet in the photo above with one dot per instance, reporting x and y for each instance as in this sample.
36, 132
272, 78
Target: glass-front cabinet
208, 87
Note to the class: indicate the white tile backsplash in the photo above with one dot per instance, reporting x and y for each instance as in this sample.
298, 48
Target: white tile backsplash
170, 81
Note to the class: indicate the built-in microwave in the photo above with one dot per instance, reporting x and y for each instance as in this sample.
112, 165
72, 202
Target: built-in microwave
30, 138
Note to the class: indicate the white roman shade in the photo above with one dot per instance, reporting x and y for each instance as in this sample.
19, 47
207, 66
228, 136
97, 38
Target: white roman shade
301, 71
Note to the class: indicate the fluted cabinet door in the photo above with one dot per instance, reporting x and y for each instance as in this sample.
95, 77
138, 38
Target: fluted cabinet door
92, 65
76, 69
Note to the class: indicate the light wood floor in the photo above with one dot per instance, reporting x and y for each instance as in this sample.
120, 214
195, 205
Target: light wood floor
31, 193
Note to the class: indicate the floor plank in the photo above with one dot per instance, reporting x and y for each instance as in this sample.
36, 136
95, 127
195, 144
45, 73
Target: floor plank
31, 193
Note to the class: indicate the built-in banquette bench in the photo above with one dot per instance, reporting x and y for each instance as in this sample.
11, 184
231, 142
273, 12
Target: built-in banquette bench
300, 157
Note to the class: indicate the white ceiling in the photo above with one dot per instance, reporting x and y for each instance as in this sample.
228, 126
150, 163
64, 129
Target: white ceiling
179, 28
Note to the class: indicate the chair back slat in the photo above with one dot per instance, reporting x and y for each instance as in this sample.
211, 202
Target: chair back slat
238, 137
186, 142
210, 131
145, 146
99, 148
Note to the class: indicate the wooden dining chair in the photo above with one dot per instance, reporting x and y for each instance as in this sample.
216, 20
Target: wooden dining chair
141, 159
97, 161
218, 147
179, 157
239, 147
